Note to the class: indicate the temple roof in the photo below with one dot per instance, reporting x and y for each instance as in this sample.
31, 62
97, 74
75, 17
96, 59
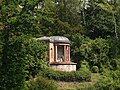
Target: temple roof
55, 39
59, 39
43, 38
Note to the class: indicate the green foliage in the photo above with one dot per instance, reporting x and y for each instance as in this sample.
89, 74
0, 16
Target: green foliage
117, 63
109, 80
116, 78
21, 56
76, 41
35, 56
105, 83
78, 76
95, 52
99, 22
85, 72
25, 56
1, 45
40, 83
12, 70
95, 69
114, 48
84, 64
87, 88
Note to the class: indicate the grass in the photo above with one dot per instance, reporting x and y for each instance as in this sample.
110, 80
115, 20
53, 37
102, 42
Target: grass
77, 85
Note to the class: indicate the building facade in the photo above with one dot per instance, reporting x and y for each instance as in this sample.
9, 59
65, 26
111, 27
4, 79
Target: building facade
59, 53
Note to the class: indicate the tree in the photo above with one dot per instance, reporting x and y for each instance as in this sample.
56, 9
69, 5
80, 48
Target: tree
16, 19
99, 22
68, 18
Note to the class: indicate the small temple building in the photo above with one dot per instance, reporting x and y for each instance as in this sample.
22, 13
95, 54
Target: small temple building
59, 53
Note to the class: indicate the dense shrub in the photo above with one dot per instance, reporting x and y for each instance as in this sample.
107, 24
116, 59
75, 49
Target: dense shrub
12, 70
78, 76
87, 88
95, 52
23, 57
105, 83
109, 80
84, 64
95, 69
35, 57
76, 41
40, 83
116, 78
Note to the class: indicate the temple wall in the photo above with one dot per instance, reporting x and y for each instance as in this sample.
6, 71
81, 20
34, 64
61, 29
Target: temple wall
51, 52
64, 67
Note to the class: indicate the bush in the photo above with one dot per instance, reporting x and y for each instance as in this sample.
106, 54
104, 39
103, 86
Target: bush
85, 72
95, 69
76, 41
78, 76
105, 83
35, 56
12, 70
109, 80
84, 64
96, 52
40, 83
23, 56
116, 78
87, 88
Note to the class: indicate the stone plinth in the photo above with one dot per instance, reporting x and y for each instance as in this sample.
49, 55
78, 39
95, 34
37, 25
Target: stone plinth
61, 66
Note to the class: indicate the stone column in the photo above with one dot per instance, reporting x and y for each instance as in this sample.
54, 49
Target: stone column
64, 53
69, 53
55, 53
